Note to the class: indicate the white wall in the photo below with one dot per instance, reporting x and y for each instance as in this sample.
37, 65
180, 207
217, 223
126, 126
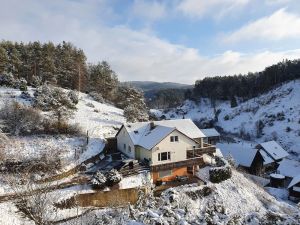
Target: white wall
124, 138
177, 149
143, 153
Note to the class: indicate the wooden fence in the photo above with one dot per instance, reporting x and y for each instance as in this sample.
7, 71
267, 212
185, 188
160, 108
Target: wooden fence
113, 198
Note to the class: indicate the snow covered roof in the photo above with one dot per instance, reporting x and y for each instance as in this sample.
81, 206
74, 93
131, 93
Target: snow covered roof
267, 159
295, 181
242, 156
289, 168
150, 138
277, 176
142, 134
185, 126
211, 132
274, 150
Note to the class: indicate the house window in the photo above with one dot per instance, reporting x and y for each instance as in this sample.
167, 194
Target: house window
124, 146
174, 138
164, 156
164, 173
129, 148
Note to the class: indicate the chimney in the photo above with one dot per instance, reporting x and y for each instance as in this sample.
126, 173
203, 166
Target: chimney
152, 125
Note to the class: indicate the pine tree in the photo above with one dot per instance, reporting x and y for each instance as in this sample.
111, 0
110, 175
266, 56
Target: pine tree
233, 102
3, 60
103, 80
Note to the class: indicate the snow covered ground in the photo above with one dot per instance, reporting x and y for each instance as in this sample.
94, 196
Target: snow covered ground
283, 100
96, 119
234, 201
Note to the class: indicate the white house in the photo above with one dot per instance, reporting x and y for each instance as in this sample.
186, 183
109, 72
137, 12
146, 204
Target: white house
171, 147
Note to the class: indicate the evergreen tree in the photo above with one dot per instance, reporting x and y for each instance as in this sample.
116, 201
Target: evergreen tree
233, 102
3, 60
103, 79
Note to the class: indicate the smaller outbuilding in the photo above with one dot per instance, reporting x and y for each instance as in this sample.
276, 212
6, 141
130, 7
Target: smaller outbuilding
294, 189
277, 180
212, 136
272, 154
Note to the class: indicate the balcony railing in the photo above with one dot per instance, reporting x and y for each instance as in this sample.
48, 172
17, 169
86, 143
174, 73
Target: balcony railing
172, 165
193, 157
198, 152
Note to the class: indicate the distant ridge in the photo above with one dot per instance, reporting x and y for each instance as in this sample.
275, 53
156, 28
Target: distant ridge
152, 85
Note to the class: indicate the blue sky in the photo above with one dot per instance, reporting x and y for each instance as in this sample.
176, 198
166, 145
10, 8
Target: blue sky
170, 40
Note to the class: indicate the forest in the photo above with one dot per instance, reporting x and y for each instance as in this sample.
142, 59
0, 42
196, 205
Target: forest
230, 88
248, 85
64, 65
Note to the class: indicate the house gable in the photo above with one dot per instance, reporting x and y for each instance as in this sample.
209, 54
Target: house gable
125, 143
177, 149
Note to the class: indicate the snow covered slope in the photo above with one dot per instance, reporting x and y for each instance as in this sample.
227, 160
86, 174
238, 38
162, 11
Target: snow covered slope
97, 119
278, 110
234, 201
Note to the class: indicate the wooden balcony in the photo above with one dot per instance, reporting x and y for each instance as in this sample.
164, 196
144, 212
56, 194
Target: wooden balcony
193, 157
198, 152
172, 165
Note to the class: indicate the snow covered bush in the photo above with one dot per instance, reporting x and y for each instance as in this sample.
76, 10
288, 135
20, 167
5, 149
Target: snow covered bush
113, 177
36, 81
56, 100
21, 120
73, 96
99, 180
22, 84
7, 79
221, 172
226, 117
109, 178
89, 104
10, 81
135, 113
97, 96
48, 98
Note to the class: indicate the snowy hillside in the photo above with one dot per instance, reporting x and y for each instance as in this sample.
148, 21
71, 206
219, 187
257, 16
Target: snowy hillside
234, 201
278, 110
97, 119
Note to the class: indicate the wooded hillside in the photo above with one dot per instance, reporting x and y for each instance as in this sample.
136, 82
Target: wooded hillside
249, 85
64, 65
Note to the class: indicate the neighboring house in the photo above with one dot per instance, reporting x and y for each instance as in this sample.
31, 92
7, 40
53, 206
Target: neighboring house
290, 169
294, 189
248, 159
212, 136
170, 147
263, 159
272, 154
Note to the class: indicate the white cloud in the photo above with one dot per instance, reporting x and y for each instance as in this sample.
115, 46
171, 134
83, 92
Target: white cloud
278, 2
134, 55
212, 8
278, 26
149, 10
